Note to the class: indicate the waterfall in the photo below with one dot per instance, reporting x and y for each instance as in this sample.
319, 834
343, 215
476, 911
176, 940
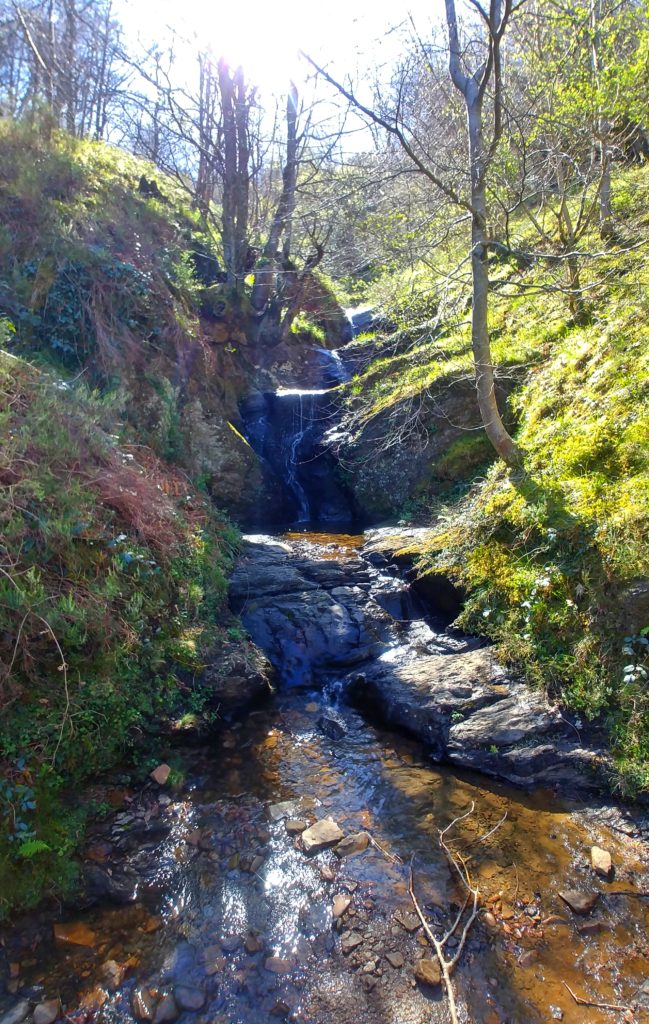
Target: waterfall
286, 427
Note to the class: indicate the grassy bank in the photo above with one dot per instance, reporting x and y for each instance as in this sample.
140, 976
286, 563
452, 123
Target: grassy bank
112, 594
554, 560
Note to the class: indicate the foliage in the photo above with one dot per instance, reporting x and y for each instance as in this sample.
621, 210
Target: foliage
112, 588
546, 557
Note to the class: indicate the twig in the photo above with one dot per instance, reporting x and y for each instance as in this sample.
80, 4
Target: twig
599, 1006
392, 857
437, 946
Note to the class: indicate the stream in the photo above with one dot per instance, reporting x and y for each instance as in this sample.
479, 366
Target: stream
213, 913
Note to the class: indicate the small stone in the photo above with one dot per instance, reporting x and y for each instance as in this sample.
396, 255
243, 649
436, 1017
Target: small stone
47, 1012
528, 958
352, 844
277, 965
556, 1013
93, 999
332, 725
112, 974
75, 934
16, 1014
601, 862
327, 874
590, 928
407, 920
312, 707
142, 1004
230, 942
368, 982
427, 972
395, 959
280, 1009
553, 919
489, 920
340, 905
579, 902
253, 944
350, 941
321, 835
189, 998
295, 826
166, 1011
160, 774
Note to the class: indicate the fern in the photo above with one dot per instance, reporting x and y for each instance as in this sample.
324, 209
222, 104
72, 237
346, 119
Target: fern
32, 847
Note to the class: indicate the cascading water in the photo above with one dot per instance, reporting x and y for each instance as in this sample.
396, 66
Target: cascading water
286, 428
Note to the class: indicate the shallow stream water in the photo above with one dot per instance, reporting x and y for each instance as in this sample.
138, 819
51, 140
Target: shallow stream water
236, 912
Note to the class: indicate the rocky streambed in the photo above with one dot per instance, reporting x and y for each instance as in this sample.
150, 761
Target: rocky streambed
339, 610
270, 881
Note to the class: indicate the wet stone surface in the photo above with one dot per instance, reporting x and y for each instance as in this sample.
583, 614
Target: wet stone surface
319, 939
209, 910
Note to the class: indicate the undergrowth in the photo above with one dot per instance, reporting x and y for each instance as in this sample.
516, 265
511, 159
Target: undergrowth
555, 561
112, 594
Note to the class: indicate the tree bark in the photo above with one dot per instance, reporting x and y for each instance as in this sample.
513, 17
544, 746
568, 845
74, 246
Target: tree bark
472, 89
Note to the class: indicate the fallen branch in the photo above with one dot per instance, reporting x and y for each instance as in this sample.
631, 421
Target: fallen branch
598, 1006
471, 903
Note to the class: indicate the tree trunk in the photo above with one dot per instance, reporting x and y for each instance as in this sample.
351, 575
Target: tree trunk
480, 341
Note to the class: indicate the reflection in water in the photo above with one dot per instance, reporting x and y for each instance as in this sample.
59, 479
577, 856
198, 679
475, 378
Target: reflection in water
234, 888
250, 879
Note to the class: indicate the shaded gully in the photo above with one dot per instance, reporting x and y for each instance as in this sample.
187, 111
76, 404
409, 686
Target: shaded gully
215, 905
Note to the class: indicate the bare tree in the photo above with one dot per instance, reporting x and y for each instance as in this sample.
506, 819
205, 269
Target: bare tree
473, 87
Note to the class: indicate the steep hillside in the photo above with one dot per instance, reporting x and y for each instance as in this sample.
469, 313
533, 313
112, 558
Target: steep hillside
554, 561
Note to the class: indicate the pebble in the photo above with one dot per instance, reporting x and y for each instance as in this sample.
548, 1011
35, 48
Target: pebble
189, 998
528, 958
395, 959
407, 920
340, 905
46, 1012
579, 902
427, 972
601, 862
160, 774
324, 833
16, 1014
350, 941
166, 1011
112, 974
253, 944
75, 934
142, 1004
356, 843
295, 826
277, 965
